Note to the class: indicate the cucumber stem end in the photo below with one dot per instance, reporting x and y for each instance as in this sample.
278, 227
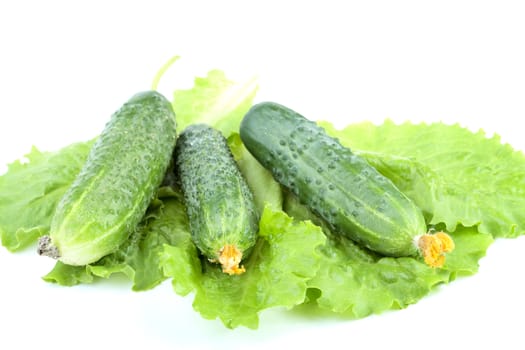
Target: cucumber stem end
434, 246
230, 257
47, 248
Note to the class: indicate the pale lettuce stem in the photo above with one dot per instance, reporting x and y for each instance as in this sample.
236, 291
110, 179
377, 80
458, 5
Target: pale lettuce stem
162, 71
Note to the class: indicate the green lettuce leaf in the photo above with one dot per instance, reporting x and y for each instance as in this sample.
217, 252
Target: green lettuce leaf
359, 287
472, 180
265, 189
30, 190
214, 100
277, 271
357, 282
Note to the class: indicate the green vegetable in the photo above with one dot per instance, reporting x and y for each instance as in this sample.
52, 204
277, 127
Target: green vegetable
338, 185
220, 205
165, 222
111, 193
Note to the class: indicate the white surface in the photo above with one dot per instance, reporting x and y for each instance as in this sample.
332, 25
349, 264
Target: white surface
64, 68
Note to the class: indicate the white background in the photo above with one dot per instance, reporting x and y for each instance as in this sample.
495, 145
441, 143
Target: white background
66, 66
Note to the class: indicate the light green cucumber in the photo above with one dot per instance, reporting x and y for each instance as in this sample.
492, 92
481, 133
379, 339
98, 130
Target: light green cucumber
111, 193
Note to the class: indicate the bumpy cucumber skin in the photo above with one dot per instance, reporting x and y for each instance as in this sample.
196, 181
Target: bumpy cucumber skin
118, 181
337, 185
220, 206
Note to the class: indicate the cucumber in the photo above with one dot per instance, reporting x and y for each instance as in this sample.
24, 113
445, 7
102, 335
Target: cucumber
220, 207
121, 175
338, 185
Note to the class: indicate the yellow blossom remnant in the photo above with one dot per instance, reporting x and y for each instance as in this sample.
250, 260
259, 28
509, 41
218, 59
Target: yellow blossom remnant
230, 257
434, 246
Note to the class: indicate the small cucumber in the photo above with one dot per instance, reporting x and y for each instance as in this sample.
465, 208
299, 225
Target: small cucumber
338, 185
221, 209
111, 193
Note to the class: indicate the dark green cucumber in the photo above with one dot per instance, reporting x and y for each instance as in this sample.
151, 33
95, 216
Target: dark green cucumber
117, 183
221, 209
332, 181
